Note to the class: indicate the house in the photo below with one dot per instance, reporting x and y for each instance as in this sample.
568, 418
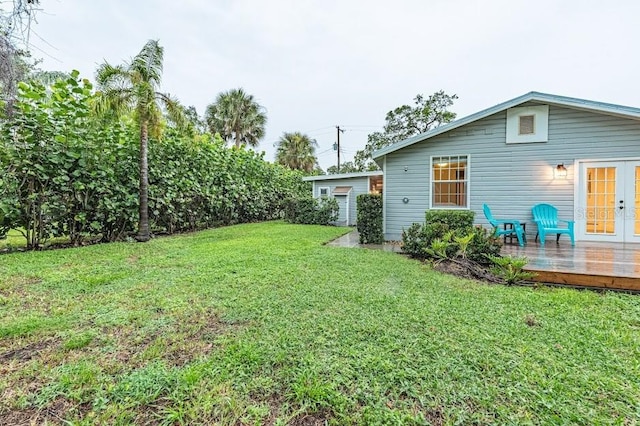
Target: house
345, 188
581, 156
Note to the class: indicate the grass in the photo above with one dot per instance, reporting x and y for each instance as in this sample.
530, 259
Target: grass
14, 240
262, 324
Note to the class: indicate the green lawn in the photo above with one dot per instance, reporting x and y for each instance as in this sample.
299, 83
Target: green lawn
262, 324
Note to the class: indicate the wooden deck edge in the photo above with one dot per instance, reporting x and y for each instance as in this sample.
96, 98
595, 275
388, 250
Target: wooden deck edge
586, 280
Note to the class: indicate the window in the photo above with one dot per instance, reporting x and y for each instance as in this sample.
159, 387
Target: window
526, 125
450, 182
323, 192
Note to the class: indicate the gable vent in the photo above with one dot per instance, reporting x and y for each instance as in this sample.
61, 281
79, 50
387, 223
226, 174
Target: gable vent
526, 126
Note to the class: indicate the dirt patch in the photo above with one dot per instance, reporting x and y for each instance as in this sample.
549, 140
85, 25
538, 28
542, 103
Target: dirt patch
465, 268
57, 413
29, 351
188, 338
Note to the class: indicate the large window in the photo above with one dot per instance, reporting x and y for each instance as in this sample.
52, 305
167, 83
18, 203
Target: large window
450, 182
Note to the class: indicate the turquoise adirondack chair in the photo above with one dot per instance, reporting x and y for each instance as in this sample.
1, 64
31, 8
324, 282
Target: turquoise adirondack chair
515, 227
546, 218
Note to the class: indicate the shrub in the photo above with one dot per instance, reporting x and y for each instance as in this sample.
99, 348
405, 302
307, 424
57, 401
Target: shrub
454, 219
311, 211
475, 243
370, 218
326, 211
484, 243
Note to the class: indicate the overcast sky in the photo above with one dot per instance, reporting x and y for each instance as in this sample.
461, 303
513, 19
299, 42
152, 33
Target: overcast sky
317, 64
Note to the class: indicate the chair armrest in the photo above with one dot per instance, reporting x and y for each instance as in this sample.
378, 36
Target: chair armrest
566, 221
502, 222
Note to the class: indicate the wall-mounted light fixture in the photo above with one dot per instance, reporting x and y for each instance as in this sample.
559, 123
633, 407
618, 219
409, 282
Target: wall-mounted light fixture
406, 168
560, 172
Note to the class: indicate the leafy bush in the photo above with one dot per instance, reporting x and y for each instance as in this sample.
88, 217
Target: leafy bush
311, 211
483, 244
67, 173
370, 218
454, 219
473, 243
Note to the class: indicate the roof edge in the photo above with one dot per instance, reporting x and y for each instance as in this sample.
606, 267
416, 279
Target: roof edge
602, 107
343, 176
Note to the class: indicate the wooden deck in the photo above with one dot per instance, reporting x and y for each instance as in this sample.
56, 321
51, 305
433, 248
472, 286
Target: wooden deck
588, 264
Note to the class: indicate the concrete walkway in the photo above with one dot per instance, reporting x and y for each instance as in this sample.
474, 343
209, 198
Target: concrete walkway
352, 240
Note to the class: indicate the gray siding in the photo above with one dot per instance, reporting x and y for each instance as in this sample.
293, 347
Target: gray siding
360, 185
511, 178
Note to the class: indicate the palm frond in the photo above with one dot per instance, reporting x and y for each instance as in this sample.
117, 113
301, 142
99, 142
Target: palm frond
148, 63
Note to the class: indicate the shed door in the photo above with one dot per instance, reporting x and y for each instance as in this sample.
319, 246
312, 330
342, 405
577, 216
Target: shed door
608, 199
343, 212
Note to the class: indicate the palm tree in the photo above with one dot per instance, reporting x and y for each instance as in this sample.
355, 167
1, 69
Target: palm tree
297, 151
133, 87
236, 116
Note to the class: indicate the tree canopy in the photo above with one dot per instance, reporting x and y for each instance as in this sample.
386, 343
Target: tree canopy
237, 117
346, 167
406, 121
297, 151
134, 87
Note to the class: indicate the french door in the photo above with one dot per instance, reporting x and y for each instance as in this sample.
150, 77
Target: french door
609, 201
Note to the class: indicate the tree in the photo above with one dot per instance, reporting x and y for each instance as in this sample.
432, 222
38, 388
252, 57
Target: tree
237, 117
297, 151
133, 87
406, 121
346, 167
15, 64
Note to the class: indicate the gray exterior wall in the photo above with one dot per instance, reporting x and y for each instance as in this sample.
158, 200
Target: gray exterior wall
360, 185
511, 178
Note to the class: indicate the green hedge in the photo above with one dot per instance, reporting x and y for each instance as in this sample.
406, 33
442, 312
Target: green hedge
67, 173
454, 219
311, 211
370, 218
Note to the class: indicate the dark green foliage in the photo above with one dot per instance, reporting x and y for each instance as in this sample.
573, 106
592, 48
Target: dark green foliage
370, 218
311, 211
66, 172
438, 239
454, 219
484, 243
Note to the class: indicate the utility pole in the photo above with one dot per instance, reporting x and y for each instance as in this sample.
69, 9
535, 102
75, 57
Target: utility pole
339, 131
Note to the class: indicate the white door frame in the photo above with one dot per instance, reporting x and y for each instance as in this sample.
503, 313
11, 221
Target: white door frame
625, 190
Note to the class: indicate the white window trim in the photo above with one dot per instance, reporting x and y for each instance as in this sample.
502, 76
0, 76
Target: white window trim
468, 179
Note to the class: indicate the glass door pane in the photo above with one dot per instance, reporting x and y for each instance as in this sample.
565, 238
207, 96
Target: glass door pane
600, 202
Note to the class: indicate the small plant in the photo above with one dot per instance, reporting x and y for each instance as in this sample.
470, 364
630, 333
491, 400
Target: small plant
463, 244
438, 248
510, 268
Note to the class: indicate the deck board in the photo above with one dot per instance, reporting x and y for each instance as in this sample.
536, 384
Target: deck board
588, 264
